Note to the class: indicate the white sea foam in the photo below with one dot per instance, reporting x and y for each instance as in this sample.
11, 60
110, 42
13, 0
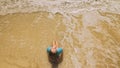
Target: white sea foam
62, 6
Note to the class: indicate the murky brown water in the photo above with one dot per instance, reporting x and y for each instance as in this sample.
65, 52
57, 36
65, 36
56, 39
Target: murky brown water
89, 40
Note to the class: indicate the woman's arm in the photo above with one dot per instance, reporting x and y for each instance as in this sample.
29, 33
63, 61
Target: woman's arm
55, 44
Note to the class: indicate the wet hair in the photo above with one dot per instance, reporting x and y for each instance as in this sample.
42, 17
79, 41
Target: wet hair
54, 58
52, 54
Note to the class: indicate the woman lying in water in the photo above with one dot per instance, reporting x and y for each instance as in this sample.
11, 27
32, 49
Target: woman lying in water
55, 53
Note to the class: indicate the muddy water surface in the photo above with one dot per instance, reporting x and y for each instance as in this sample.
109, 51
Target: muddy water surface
89, 40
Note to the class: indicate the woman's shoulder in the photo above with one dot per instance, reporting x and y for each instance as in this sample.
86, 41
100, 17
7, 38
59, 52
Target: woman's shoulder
48, 49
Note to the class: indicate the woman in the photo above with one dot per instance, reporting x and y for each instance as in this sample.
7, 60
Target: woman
54, 53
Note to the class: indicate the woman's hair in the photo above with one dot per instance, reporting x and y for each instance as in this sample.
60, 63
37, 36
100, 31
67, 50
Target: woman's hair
53, 55
54, 58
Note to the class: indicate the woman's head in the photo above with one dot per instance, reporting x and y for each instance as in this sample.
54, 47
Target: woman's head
54, 49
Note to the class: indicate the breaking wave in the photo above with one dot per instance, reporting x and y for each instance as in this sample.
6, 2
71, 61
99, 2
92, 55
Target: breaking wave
61, 6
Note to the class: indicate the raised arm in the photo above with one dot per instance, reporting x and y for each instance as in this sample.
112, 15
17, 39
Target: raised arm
55, 44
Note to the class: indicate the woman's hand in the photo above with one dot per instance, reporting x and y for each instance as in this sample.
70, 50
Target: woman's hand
55, 44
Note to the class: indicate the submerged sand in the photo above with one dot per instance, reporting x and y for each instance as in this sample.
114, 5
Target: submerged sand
24, 38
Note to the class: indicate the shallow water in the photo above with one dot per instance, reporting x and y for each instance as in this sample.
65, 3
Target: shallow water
90, 39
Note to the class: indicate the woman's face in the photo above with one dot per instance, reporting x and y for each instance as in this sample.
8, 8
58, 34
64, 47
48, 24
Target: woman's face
53, 50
